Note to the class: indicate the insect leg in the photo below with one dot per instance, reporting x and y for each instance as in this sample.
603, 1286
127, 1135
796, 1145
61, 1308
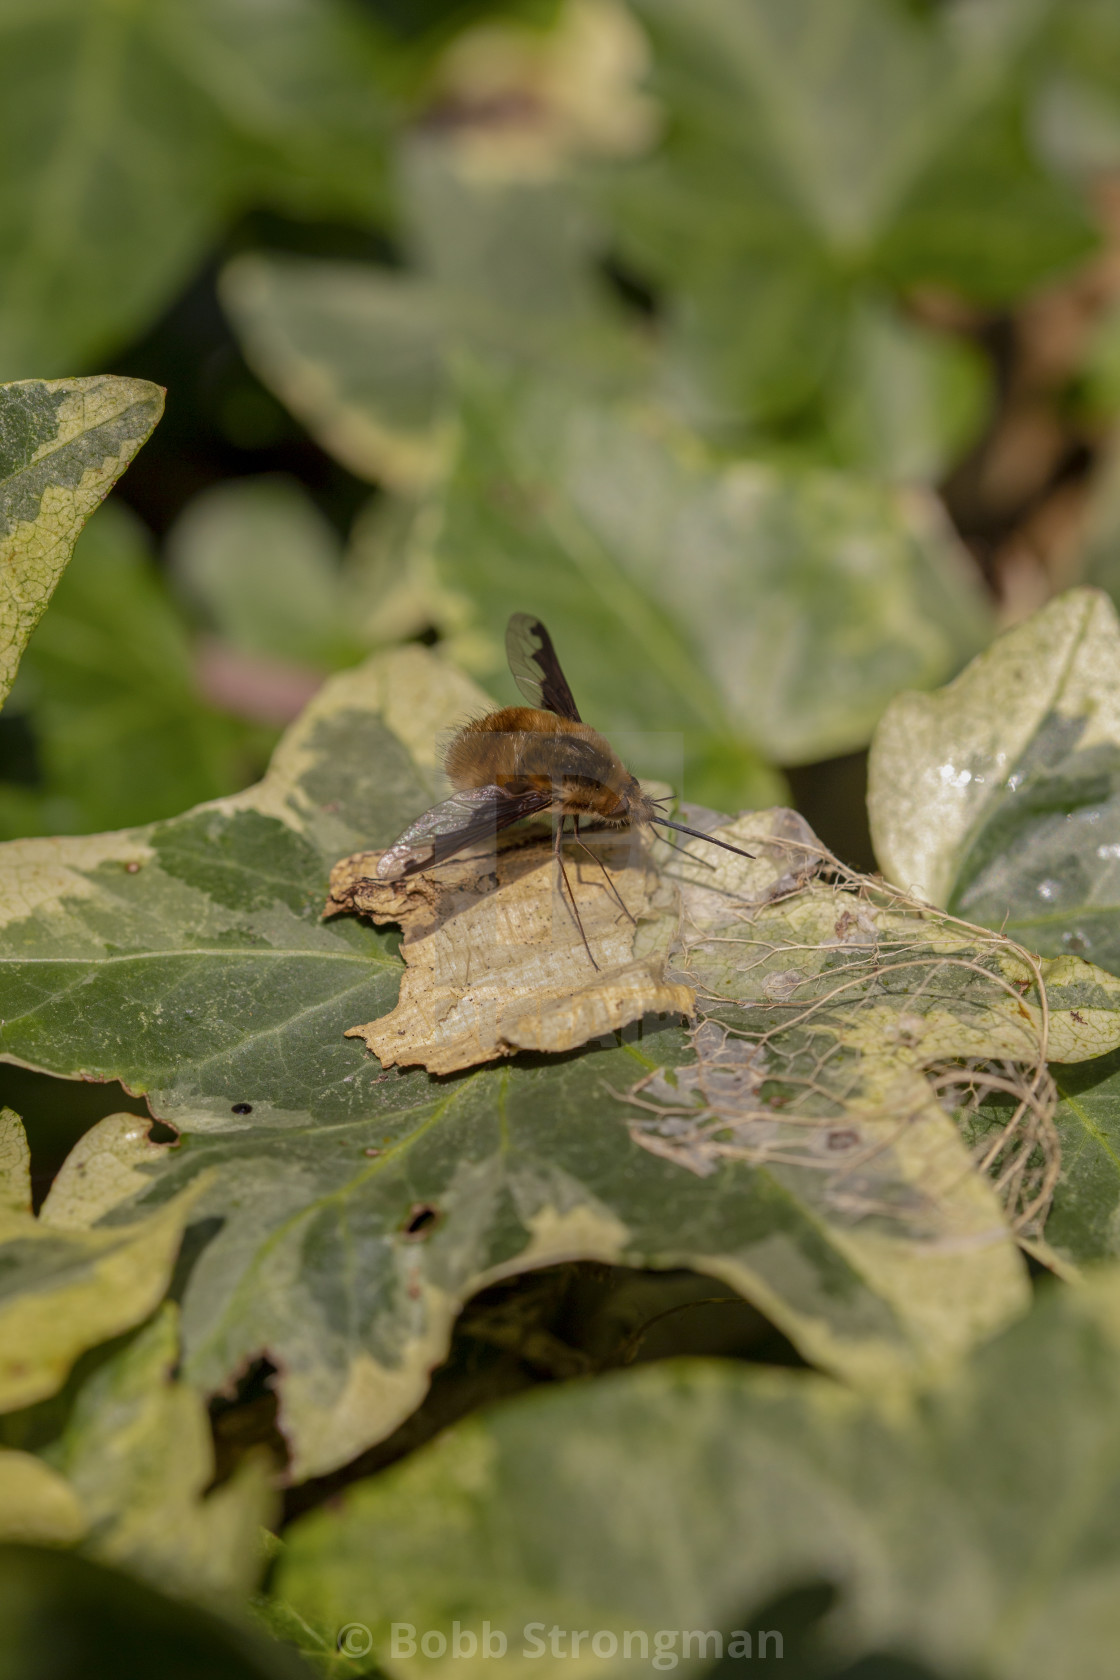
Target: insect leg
570, 901
606, 875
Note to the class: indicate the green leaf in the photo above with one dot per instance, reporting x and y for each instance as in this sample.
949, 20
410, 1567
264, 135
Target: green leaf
138, 1457
737, 604
36, 1504
204, 976
363, 356
907, 401
1098, 560
108, 687
356, 356
829, 1011
1084, 1223
66, 1290
261, 564
63, 445
130, 134
1078, 113
973, 1533
15, 1164
813, 158
61, 1613
997, 796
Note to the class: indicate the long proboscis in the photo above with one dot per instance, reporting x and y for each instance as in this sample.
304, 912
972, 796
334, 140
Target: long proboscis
698, 834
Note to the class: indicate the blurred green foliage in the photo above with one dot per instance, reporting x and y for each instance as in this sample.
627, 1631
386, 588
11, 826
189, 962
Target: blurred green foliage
107, 692
717, 242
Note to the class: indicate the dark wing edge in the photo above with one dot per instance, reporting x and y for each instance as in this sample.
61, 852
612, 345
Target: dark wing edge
464, 820
536, 669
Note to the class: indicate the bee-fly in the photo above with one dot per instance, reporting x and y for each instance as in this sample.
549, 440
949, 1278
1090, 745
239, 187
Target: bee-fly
525, 761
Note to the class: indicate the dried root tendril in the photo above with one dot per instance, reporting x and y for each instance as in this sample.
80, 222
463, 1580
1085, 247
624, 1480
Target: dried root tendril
834, 1013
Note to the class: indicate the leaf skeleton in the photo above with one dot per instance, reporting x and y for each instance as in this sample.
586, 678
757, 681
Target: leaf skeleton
525, 761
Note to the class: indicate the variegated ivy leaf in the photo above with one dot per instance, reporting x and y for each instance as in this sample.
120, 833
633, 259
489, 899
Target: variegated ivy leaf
37, 1505
504, 268
63, 445
972, 1533
133, 134
349, 1211
137, 1455
733, 608
999, 796
65, 1290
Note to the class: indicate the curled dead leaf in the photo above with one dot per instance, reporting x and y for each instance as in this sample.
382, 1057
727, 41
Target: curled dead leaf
495, 962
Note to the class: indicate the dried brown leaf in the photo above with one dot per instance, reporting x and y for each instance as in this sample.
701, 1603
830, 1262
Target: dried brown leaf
495, 962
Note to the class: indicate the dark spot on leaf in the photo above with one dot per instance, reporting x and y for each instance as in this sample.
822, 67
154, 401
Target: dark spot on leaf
242, 1108
421, 1217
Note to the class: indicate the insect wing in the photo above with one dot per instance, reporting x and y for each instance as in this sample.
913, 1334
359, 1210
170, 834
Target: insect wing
536, 669
468, 818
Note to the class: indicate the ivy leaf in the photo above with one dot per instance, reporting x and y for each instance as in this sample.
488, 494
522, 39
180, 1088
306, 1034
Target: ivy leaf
349, 1212
688, 596
66, 1290
907, 400
63, 445
813, 161
1084, 1223
504, 267
997, 797
100, 226
543, 1512
37, 1505
109, 691
260, 564
138, 1457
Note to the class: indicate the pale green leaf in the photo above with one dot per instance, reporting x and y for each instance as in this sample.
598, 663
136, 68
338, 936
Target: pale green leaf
260, 564
363, 355
138, 1457
108, 687
906, 400
66, 1290
354, 353
63, 445
972, 1533
37, 1505
15, 1164
997, 796
730, 604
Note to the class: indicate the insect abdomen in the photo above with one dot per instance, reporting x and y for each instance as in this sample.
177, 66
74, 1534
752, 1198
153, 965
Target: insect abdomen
521, 747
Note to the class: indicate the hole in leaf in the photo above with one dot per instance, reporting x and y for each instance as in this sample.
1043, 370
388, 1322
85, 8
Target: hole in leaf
421, 1217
